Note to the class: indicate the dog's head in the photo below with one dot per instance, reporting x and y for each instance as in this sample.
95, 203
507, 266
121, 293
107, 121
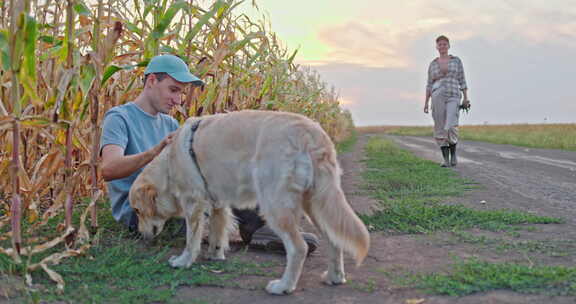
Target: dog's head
144, 201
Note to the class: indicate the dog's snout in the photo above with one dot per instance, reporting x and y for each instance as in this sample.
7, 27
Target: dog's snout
155, 230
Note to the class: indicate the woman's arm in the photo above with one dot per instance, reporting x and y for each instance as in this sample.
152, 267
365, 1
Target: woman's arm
426, 102
465, 101
462, 80
429, 83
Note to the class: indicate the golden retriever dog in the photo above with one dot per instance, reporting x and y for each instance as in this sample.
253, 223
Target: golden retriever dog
282, 162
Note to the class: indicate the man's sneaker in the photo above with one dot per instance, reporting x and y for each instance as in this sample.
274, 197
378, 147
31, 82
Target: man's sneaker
266, 239
248, 222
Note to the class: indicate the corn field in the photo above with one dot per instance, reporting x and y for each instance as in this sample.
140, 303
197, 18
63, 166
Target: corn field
63, 63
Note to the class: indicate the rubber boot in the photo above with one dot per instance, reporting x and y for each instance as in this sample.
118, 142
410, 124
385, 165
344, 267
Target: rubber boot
453, 159
446, 156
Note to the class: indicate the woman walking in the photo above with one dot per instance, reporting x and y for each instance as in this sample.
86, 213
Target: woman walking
446, 85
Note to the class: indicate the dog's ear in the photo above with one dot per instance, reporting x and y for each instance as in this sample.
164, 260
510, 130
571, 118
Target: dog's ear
148, 199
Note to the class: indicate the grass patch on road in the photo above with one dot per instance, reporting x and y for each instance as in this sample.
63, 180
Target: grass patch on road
549, 247
412, 191
546, 136
473, 276
347, 144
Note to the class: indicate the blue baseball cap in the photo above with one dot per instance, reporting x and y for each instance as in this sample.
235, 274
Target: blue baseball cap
173, 66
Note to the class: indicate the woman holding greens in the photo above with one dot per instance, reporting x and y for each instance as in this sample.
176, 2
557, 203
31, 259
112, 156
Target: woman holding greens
446, 85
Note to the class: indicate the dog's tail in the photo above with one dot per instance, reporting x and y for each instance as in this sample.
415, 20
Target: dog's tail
329, 210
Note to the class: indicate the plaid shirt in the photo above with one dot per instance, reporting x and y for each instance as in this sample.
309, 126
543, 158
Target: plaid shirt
452, 82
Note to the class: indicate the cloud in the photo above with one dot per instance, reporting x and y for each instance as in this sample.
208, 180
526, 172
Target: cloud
361, 44
381, 35
532, 21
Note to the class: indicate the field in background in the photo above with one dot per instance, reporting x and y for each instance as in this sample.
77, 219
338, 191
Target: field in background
547, 136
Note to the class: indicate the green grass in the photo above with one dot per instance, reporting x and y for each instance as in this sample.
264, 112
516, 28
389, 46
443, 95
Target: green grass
122, 269
412, 191
347, 144
550, 247
474, 276
547, 136
8, 267
126, 273
368, 285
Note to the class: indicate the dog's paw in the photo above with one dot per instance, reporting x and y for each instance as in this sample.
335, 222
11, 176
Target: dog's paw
217, 257
181, 261
216, 254
277, 287
333, 278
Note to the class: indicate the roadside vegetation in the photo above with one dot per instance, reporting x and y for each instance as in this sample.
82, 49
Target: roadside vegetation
474, 275
546, 136
347, 144
418, 197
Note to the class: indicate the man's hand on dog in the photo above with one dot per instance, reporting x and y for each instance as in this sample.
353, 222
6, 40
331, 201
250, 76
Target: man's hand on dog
166, 141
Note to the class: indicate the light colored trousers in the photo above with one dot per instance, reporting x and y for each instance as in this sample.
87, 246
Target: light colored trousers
445, 113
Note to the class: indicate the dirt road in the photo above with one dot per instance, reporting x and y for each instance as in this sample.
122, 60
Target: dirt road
532, 180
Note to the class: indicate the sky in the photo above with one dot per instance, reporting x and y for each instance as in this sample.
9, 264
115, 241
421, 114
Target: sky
519, 56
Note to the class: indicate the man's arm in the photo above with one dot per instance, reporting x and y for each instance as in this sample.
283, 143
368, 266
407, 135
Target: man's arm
116, 165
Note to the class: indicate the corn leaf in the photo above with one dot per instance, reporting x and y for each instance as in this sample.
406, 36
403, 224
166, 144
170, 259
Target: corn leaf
111, 70
4, 50
51, 52
18, 45
133, 28
150, 4
166, 19
238, 45
29, 85
81, 8
62, 89
204, 20
291, 59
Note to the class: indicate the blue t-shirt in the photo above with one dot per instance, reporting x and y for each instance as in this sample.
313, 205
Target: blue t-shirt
129, 127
